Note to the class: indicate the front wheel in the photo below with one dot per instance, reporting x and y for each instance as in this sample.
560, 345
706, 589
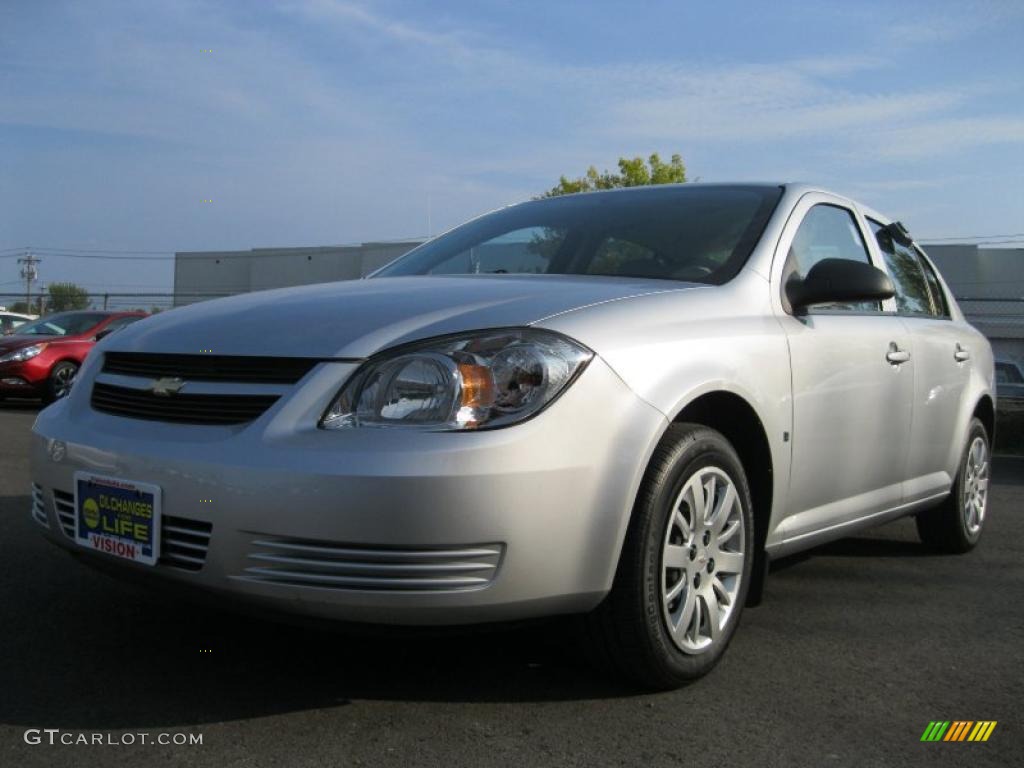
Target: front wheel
685, 567
59, 383
955, 525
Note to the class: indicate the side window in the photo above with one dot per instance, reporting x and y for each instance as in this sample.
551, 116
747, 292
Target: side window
828, 232
939, 303
913, 296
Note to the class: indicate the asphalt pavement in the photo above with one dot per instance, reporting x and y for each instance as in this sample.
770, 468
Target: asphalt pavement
857, 647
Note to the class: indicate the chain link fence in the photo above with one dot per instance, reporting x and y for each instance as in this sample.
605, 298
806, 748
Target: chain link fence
147, 302
996, 318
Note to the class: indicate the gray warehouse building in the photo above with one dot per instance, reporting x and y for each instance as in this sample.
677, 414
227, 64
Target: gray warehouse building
988, 282
989, 286
202, 274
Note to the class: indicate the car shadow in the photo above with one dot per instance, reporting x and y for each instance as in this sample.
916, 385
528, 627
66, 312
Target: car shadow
865, 547
82, 650
20, 405
1008, 470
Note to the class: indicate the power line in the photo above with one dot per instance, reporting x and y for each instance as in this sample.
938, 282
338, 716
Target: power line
972, 237
95, 256
114, 253
979, 244
83, 250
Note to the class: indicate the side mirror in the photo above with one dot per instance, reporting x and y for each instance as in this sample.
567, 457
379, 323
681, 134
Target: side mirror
103, 334
833, 281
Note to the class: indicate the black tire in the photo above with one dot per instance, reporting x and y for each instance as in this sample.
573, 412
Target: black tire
945, 527
57, 385
629, 630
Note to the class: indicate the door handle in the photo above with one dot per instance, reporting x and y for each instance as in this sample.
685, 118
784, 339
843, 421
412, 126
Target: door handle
895, 355
961, 355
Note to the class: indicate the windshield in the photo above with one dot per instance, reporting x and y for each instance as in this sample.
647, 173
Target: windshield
696, 233
64, 324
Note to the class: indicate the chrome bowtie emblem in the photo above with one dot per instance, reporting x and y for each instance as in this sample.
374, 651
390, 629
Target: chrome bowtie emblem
167, 386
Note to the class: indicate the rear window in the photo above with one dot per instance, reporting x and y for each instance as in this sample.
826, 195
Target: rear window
939, 303
913, 294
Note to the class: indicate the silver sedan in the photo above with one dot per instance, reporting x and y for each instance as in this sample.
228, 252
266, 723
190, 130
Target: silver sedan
620, 405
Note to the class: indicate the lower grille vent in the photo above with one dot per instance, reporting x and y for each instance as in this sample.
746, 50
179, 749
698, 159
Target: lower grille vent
302, 563
64, 506
184, 542
38, 508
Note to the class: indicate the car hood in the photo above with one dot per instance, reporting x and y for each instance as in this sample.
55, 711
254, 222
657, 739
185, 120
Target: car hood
354, 319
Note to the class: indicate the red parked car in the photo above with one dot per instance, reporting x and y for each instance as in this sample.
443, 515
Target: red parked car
42, 357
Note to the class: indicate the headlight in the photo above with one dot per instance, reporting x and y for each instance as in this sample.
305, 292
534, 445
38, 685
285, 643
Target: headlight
23, 354
470, 381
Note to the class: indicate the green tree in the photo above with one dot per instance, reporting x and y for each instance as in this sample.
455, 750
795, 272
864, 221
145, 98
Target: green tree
633, 172
65, 296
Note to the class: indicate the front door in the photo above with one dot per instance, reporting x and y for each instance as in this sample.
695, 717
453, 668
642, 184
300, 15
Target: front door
853, 384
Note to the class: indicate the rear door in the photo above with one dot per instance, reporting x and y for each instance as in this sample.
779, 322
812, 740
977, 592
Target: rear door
942, 361
853, 382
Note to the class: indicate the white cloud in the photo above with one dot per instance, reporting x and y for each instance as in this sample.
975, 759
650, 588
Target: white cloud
941, 137
336, 117
349, 14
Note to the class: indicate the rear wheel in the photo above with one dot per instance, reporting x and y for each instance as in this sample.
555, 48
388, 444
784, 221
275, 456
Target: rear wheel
955, 525
685, 567
59, 383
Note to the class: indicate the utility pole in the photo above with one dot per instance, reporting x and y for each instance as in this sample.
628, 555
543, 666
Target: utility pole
30, 273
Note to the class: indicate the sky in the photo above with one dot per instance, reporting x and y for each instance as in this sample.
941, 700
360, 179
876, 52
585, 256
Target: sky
315, 122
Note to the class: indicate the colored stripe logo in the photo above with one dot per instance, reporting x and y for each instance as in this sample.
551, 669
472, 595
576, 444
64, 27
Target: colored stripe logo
958, 730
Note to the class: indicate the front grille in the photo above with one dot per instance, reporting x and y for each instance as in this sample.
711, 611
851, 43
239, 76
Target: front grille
38, 507
179, 408
183, 542
64, 506
297, 562
233, 368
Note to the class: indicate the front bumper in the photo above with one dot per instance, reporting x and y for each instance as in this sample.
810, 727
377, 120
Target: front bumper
373, 525
23, 378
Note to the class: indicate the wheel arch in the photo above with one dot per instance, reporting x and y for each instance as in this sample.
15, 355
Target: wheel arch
985, 410
738, 420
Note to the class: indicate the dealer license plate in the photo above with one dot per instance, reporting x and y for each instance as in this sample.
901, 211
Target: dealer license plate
118, 517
